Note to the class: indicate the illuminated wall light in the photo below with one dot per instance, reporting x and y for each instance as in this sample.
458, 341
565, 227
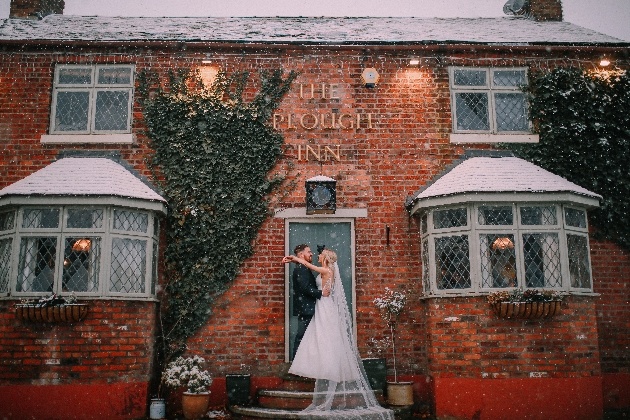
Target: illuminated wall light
604, 62
414, 62
208, 73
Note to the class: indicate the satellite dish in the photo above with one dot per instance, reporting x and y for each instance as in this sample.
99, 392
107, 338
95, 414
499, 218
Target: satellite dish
515, 7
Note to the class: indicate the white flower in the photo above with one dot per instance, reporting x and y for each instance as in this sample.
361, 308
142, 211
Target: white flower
187, 372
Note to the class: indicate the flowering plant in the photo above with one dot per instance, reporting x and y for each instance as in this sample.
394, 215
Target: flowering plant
529, 295
52, 300
391, 305
187, 372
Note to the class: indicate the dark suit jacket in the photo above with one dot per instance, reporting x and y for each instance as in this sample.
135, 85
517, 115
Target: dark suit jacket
305, 292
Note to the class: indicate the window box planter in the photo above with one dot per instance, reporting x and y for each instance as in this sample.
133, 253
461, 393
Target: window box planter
70, 312
526, 310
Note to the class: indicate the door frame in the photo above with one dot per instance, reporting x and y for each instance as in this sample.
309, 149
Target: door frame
287, 270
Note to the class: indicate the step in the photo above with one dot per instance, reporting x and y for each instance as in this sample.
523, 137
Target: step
272, 413
295, 400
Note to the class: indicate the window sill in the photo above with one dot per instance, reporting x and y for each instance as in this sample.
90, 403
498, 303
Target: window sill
87, 138
459, 138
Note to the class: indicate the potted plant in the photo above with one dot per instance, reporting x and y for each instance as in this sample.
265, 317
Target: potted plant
188, 372
390, 306
528, 304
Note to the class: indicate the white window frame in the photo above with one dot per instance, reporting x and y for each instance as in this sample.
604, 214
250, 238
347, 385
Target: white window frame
92, 88
474, 229
106, 233
492, 135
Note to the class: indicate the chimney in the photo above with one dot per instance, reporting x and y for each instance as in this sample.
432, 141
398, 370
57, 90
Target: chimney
538, 10
545, 10
35, 9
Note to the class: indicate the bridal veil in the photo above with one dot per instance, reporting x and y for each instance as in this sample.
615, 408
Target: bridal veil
351, 397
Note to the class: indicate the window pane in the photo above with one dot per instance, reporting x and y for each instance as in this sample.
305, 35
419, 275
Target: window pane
542, 260
465, 77
7, 220
511, 112
452, 262
449, 218
495, 215
75, 76
41, 218
71, 112
498, 260
114, 76
154, 273
541, 216
131, 221
426, 281
579, 270
112, 110
5, 263
85, 219
424, 223
128, 268
514, 78
81, 264
575, 217
36, 272
472, 111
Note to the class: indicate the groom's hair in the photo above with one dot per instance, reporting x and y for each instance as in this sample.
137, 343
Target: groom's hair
299, 248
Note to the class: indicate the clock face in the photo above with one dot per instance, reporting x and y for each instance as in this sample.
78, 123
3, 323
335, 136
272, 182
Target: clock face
321, 195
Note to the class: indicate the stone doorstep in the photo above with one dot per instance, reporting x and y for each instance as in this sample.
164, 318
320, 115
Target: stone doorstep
295, 400
271, 413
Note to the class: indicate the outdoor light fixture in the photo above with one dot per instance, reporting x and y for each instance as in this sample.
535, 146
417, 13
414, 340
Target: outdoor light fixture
604, 62
414, 62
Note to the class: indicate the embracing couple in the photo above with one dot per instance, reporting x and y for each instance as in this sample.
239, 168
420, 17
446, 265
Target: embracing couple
325, 348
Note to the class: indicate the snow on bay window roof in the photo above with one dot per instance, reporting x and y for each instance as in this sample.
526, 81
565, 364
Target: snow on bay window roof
83, 177
500, 178
301, 30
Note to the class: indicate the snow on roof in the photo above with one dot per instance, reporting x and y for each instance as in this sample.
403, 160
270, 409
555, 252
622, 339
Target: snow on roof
301, 30
76, 176
499, 174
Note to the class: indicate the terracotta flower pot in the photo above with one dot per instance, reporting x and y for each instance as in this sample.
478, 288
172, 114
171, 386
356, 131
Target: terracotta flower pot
195, 406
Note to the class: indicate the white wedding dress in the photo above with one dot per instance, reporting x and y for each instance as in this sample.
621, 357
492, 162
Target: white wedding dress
328, 353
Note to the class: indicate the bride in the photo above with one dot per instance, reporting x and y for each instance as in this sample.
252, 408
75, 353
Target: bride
328, 353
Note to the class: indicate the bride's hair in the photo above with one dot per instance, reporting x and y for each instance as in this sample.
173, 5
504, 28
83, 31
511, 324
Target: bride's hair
329, 256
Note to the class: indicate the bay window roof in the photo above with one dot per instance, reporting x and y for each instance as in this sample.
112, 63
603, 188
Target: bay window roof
499, 179
75, 179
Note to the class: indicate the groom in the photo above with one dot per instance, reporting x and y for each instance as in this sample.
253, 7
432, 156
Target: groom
305, 293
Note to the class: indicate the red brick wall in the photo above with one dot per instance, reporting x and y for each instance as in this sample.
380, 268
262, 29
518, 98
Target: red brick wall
379, 168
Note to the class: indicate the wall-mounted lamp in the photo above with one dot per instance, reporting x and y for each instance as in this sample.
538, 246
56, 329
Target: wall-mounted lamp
414, 61
604, 62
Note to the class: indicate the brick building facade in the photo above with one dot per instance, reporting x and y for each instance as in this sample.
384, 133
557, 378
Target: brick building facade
380, 144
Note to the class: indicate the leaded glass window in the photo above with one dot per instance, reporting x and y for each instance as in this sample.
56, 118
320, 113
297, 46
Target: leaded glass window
504, 246
92, 99
88, 251
489, 100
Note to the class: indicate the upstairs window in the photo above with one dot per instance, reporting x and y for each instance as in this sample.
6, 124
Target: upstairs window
489, 100
92, 99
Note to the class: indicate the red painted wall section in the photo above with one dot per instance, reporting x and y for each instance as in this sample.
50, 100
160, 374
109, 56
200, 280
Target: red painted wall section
96, 401
509, 399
